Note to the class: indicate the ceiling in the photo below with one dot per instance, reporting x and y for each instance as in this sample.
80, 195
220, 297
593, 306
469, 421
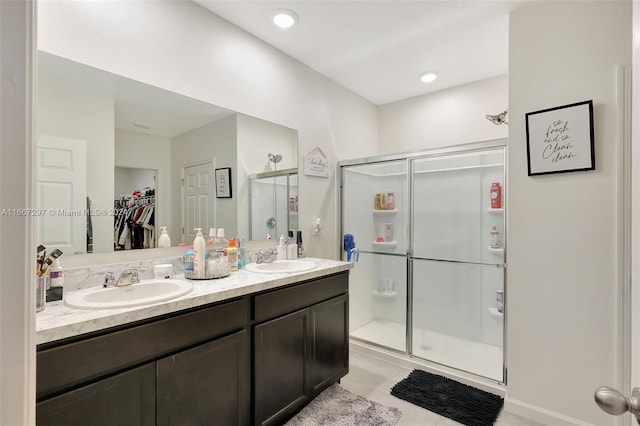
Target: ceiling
379, 49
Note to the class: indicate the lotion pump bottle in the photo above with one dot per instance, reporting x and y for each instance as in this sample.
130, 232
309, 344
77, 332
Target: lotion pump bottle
199, 260
164, 240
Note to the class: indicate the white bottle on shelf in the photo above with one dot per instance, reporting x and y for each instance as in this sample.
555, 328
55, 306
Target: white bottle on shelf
494, 238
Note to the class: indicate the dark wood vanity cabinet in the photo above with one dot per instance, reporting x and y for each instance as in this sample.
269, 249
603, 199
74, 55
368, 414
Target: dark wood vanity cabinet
299, 353
195, 367
125, 399
206, 385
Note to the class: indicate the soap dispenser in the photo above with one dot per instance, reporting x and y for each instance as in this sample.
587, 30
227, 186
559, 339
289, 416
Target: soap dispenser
164, 240
199, 249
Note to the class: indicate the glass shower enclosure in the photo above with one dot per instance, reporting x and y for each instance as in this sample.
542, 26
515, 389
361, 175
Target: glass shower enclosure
430, 281
273, 204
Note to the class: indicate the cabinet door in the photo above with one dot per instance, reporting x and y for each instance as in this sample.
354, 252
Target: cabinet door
281, 367
330, 344
126, 399
209, 384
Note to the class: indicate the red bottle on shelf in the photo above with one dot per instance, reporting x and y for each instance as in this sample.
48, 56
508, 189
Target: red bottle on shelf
496, 195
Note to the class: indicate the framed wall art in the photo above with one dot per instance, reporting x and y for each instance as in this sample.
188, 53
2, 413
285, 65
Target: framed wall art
560, 139
223, 182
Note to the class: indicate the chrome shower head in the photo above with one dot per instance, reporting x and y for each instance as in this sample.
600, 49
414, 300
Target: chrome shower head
498, 119
275, 158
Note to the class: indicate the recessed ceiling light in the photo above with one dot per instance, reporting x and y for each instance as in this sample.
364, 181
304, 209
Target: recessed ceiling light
428, 77
284, 18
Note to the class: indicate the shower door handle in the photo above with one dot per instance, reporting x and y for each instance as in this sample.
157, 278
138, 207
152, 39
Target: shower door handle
613, 402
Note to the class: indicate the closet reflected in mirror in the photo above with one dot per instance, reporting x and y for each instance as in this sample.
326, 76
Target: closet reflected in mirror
134, 206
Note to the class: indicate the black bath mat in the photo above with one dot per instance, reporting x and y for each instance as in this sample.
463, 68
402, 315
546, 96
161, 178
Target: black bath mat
448, 398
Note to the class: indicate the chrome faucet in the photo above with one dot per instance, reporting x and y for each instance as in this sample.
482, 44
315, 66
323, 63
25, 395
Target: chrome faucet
129, 276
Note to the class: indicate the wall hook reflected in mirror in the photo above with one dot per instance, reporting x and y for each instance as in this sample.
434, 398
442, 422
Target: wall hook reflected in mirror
498, 119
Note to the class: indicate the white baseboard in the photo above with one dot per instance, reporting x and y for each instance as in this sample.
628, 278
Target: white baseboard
540, 415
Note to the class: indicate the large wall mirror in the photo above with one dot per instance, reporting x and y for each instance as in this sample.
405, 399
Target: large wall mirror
115, 147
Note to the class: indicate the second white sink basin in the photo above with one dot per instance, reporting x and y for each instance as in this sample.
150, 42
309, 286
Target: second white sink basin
281, 267
143, 293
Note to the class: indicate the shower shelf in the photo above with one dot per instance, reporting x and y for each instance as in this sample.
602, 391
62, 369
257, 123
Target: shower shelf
501, 210
495, 250
384, 243
494, 312
394, 211
385, 293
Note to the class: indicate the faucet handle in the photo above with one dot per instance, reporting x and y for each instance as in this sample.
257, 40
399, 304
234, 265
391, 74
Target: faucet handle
134, 273
109, 278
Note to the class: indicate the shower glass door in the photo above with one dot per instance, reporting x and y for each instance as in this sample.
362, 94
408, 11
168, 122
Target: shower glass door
457, 274
273, 204
378, 281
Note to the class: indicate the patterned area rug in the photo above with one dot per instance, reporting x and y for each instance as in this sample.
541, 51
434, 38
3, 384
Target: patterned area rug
448, 398
339, 407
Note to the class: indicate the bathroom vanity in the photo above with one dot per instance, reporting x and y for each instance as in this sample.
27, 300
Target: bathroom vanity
251, 349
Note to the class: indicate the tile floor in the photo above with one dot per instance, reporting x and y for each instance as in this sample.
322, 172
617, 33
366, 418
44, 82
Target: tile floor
374, 378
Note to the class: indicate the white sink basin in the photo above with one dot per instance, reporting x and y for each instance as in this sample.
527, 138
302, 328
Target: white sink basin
281, 267
143, 293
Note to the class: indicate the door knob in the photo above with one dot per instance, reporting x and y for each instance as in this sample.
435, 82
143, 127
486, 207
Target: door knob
613, 402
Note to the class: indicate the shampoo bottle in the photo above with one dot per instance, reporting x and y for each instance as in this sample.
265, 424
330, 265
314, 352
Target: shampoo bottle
199, 249
164, 240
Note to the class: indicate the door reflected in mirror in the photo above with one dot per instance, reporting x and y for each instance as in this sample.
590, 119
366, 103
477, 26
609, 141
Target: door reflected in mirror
116, 122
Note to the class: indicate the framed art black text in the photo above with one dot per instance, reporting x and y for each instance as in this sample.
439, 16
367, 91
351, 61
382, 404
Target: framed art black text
560, 139
223, 182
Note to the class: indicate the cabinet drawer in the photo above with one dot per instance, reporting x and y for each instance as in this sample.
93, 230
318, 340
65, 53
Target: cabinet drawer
280, 302
74, 363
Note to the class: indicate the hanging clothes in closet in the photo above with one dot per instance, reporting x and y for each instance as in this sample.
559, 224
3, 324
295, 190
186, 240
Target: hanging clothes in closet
134, 223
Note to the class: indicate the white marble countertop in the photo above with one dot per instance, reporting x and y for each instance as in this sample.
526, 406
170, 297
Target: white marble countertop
58, 321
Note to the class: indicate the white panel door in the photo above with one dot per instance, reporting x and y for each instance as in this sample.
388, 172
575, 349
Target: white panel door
62, 192
197, 201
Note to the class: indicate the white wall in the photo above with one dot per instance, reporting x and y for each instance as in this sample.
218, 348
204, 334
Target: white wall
61, 112
206, 57
562, 228
140, 150
17, 190
215, 142
444, 118
256, 138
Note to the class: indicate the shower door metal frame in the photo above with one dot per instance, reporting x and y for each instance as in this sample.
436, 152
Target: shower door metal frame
274, 174
410, 157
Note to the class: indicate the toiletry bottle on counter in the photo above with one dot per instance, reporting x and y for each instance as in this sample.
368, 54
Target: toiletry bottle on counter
221, 242
282, 249
232, 255
56, 274
199, 249
164, 240
241, 253
300, 247
188, 263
